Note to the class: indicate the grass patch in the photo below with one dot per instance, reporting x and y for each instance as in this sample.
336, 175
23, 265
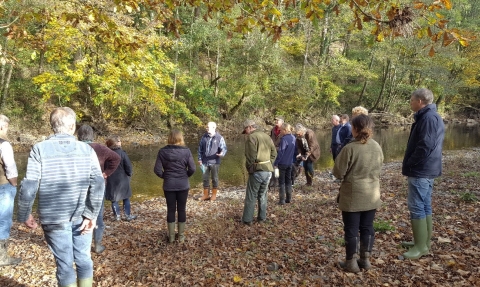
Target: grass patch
383, 225
471, 174
468, 197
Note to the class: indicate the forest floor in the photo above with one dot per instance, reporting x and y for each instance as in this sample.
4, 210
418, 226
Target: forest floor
299, 245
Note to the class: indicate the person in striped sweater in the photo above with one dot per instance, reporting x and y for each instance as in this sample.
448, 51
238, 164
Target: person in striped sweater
67, 176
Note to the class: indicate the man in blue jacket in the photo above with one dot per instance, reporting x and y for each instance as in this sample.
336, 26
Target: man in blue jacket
212, 147
422, 163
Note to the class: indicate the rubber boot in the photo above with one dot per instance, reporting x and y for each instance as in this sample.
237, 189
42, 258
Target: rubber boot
420, 233
350, 265
70, 285
214, 194
171, 232
88, 282
98, 247
6, 260
205, 195
289, 190
366, 245
429, 235
281, 194
181, 229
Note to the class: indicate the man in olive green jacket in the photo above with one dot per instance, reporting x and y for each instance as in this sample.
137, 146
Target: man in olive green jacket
260, 153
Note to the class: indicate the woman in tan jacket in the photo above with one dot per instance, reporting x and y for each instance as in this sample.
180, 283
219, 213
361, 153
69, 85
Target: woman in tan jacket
358, 166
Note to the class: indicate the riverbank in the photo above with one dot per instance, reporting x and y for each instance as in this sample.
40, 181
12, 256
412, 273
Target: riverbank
299, 245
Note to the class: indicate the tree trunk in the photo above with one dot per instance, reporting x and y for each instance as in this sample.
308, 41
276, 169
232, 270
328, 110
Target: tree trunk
384, 83
366, 82
5, 85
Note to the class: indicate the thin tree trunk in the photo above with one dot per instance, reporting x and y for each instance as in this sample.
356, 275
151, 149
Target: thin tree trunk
384, 83
6, 85
366, 82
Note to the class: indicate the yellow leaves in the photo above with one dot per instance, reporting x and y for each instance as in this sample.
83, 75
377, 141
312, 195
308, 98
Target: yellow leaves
237, 279
447, 3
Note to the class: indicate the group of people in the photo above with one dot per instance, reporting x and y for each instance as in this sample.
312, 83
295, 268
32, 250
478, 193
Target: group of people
358, 160
73, 177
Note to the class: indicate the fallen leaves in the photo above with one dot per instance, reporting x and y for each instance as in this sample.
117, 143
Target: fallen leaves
299, 245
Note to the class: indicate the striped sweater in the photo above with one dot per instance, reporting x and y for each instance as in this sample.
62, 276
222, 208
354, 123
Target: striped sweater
67, 176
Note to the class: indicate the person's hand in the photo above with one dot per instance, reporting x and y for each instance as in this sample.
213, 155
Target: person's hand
104, 175
200, 162
31, 223
219, 154
88, 225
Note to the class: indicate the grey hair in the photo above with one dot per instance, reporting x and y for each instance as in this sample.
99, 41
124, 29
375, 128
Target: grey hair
423, 94
300, 128
335, 117
214, 124
4, 121
61, 120
85, 133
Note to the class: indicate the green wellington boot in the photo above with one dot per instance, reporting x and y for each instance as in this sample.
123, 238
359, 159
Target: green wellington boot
171, 232
181, 229
429, 236
420, 233
88, 282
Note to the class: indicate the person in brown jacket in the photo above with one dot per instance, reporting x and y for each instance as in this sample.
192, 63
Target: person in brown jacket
109, 161
313, 153
358, 166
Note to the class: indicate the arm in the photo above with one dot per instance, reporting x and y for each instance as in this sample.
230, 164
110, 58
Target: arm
190, 164
281, 151
250, 151
127, 164
158, 168
342, 163
29, 188
96, 188
112, 160
200, 151
273, 151
223, 146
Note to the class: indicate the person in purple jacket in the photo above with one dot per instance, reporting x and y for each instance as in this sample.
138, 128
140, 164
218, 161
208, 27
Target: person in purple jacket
286, 151
175, 165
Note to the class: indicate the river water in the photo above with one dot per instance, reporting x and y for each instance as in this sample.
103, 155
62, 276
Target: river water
145, 184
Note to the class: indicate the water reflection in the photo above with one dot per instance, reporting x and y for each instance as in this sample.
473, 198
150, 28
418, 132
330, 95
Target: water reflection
145, 184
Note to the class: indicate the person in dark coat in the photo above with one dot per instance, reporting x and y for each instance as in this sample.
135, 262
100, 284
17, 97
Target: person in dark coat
308, 156
175, 165
422, 164
109, 161
118, 184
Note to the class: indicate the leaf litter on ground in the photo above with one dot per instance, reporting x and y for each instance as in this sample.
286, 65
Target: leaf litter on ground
299, 245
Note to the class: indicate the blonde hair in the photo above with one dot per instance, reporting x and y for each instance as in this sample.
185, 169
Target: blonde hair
359, 111
175, 137
287, 128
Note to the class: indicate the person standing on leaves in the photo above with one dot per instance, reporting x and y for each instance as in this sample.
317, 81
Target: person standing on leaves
8, 189
211, 149
336, 144
276, 135
310, 156
421, 164
260, 153
175, 165
358, 166
118, 184
109, 161
70, 185
283, 162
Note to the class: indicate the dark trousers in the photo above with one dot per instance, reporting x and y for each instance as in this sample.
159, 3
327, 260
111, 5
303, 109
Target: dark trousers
126, 207
285, 177
355, 222
308, 167
336, 148
176, 203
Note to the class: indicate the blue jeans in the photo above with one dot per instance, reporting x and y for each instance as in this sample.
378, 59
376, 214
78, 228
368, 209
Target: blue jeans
116, 207
7, 197
257, 187
69, 246
211, 169
100, 228
308, 167
419, 197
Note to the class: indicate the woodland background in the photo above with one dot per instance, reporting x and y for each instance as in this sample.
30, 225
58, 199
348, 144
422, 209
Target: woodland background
145, 64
